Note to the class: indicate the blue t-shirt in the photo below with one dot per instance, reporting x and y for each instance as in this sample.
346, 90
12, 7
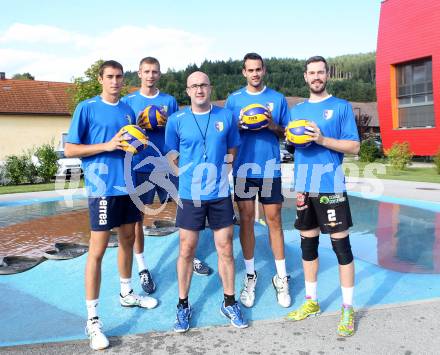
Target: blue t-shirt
96, 121
259, 148
319, 169
202, 174
156, 138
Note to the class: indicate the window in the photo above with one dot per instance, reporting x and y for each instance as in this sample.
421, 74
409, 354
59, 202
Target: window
414, 94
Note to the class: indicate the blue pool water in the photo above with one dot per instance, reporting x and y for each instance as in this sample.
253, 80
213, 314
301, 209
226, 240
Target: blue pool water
21, 211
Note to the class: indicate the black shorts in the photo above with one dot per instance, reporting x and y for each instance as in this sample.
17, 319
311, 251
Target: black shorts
328, 211
268, 190
147, 197
112, 211
220, 214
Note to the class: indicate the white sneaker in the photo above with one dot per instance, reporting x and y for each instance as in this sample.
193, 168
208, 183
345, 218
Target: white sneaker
98, 340
247, 295
133, 300
281, 286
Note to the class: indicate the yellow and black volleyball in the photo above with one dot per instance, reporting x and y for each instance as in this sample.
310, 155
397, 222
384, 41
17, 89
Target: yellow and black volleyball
296, 134
152, 117
135, 138
254, 116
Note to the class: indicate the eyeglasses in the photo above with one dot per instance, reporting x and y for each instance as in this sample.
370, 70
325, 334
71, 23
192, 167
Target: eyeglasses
201, 86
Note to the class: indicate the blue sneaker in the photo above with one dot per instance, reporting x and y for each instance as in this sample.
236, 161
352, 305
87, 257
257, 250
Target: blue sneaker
183, 315
234, 314
201, 268
147, 282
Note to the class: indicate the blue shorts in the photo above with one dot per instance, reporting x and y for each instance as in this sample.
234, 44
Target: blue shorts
220, 214
268, 190
147, 198
112, 211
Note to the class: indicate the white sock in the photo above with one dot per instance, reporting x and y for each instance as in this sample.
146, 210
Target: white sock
347, 295
250, 266
140, 261
311, 290
92, 308
125, 286
281, 268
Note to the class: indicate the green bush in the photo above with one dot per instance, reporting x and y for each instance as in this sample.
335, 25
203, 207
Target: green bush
399, 155
30, 173
2, 174
437, 161
368, 151
19, 169
48, 161
14, 167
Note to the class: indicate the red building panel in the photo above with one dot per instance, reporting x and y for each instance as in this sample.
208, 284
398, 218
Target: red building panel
408, 30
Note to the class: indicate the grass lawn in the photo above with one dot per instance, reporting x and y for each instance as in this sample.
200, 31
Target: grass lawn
411, 173
13, 189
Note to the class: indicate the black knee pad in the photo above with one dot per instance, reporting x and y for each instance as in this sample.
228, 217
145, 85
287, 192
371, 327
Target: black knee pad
342, 248
309, 247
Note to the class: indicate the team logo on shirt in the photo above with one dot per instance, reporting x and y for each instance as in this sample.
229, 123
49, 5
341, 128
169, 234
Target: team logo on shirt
165, 108
219, 126
301, 201
270, 106
128, 118
328, 114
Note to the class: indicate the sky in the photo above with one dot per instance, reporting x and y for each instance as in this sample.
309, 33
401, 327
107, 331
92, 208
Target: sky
58, 40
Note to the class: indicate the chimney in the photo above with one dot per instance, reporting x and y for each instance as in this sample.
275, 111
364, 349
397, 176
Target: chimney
2, 75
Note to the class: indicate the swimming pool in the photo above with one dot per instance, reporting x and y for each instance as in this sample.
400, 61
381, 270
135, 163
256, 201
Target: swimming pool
391, 235
30, 227
20, 211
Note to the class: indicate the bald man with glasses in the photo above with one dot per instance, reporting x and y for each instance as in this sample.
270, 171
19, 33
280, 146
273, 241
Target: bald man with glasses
205, 138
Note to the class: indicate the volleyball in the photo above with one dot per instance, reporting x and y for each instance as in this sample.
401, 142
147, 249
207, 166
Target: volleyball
152, 117
135, 138
254, 116
296, 134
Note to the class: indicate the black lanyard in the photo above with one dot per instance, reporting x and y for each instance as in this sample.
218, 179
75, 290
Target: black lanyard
201, 133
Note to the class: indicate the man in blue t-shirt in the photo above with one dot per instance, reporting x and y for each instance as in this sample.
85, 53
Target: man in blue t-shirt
322, 203
257, 171
152, 173
95, 136
205, 138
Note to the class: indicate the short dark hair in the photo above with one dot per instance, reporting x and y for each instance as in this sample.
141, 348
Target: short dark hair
149, 60
110, 64
314, 59
252, 56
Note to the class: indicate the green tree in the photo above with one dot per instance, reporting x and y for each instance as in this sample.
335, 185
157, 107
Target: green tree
352, 77
88, 86
23, 76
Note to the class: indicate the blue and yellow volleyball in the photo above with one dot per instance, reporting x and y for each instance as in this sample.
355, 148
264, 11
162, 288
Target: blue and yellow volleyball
135, 138
296, 134
254, 116
152, 117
